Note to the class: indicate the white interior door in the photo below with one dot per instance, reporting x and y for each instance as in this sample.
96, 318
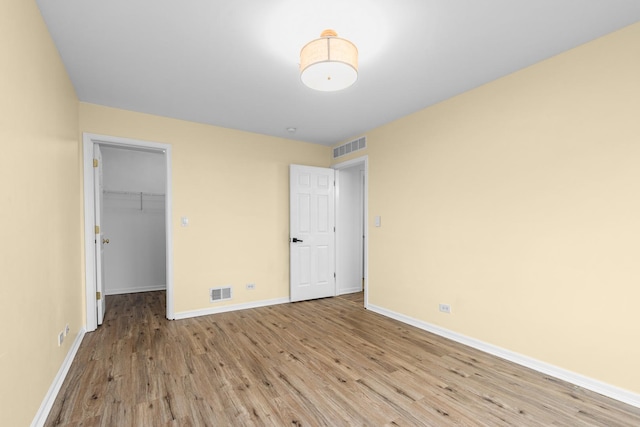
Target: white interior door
312, 232
100, 240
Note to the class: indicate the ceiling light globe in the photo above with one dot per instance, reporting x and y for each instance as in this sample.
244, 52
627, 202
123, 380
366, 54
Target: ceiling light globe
329, 63
329, 76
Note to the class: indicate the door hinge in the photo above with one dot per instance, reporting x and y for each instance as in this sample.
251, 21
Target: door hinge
98, 296
97, 229
95, 163
334, 229
334, 275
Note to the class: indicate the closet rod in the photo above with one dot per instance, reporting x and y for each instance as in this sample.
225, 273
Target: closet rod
132, 193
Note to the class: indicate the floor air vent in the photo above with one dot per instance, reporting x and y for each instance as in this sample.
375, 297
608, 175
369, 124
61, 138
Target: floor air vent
220, 294
350, 147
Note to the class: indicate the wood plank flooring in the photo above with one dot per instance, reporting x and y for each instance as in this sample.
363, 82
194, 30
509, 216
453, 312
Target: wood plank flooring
326, 362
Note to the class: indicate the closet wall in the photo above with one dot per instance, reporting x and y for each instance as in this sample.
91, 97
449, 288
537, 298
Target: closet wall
134, 220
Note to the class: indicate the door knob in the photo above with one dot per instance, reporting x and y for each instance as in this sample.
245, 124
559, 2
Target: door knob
105, 241
296, 240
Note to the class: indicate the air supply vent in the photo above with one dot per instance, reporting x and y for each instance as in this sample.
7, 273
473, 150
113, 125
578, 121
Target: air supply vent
220, 294
350, 147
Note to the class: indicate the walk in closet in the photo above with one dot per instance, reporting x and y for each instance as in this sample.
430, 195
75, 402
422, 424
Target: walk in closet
134, 220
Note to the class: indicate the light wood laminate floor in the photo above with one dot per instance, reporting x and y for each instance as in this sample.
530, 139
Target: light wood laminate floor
324, 362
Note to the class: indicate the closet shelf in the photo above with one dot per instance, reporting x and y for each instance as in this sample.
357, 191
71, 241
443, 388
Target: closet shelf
143, 200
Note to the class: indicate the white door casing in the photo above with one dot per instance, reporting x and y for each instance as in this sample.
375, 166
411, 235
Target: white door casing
88, 141
363, 229
312, 232
98, 195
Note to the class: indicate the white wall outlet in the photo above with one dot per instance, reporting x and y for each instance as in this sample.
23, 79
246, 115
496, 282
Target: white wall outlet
251, 286
60, 338
445, 308
66, 330
184, 221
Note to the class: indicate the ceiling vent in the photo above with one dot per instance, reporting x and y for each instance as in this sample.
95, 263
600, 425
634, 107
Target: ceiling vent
350, 147
220, 294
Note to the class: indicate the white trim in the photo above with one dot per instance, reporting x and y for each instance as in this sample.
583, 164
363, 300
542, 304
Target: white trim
350, 291
88, 139
50, 397
228, 308
600, 387
336, 209
344, 165
135, 290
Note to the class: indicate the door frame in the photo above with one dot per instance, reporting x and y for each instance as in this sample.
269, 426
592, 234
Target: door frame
88, 139
362, 160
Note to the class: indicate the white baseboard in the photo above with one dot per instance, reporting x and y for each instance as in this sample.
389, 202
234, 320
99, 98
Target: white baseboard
600, 387
50, 397
134, 290
350, 290
227, 308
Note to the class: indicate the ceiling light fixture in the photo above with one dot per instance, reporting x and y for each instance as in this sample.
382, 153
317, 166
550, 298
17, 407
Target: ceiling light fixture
329, 63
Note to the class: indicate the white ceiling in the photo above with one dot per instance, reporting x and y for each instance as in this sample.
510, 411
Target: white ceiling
234, 63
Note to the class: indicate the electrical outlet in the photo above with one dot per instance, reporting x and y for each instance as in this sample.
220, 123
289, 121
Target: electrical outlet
66, 330
445, 308
251, 286
60, 338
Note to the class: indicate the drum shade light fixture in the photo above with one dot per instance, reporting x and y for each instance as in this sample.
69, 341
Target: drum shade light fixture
329, 63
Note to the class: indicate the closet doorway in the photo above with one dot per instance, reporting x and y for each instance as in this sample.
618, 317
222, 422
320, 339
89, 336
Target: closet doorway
135, 220
351, 226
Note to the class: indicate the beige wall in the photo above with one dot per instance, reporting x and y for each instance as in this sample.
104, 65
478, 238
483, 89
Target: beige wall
40, 241
518, 203
234, 187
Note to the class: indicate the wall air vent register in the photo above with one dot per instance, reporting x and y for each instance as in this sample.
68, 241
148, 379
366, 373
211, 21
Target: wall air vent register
220, 294
350, 147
